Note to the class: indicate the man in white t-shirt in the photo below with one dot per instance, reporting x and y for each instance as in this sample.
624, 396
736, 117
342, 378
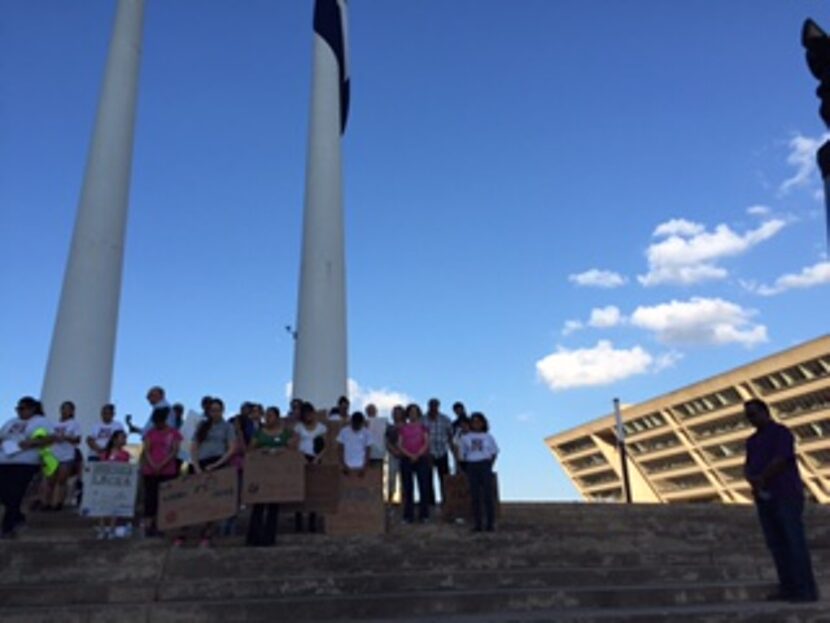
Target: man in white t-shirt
101, 433
377, 429
355, 443
19, 459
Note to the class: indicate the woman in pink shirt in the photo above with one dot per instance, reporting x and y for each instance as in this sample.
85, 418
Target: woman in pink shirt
158, 464
413, 442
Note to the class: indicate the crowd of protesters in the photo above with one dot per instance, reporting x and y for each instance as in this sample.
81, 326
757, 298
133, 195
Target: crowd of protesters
415, 448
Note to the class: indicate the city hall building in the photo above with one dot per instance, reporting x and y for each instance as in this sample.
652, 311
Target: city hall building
688, 445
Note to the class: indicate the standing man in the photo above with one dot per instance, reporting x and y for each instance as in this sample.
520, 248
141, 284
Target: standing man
440, 442
772, 471
157, 400
377, 429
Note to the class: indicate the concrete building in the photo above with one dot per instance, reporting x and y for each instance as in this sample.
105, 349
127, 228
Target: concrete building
688, 445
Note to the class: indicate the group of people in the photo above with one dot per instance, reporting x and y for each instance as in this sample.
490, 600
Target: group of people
415, 447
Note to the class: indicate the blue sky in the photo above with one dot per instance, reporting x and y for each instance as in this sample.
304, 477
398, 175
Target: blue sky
496, 152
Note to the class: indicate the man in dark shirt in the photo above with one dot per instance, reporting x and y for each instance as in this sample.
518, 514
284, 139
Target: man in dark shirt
772, 471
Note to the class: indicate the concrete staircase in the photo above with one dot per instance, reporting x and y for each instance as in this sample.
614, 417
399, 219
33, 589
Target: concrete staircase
563, 563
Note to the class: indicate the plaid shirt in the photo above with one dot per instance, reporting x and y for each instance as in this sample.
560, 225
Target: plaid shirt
440, 434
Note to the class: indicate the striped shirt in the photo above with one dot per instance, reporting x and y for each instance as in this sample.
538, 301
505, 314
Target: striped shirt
440, 434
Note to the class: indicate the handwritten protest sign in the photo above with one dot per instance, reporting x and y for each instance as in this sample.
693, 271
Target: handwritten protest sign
109, 489
199, 498
457, 503
274, 476
360, 509
331, 455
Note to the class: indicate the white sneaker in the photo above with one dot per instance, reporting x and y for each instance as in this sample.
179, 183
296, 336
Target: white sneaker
120, 532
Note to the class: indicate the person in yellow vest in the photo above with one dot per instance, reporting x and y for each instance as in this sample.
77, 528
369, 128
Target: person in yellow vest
22, 439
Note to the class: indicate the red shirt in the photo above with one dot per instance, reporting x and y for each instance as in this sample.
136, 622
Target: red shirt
160, 444
412, 437
117, 456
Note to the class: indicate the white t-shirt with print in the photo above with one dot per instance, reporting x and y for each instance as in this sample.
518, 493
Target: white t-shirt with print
478, 447
307, 436
65, 451
102, 433
17, 430
354, 446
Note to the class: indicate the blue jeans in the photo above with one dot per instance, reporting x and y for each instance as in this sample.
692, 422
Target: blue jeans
783, 526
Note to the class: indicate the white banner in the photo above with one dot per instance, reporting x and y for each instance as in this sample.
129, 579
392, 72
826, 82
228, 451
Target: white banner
109, 489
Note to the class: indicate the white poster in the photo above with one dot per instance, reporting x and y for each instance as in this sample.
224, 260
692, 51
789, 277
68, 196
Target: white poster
109, 489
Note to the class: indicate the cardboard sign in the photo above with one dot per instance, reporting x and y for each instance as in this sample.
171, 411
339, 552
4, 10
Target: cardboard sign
198, 498
322, 488
274, 476
457, 503
109, 489
360, 509
331, 455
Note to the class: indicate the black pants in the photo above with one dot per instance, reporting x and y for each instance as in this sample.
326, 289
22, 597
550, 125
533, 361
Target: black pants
262, 530
14, 481
783, 526
480, 477
409, 471
441, 464
151, 494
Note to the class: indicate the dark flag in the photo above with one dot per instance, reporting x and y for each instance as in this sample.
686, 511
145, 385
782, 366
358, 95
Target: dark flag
330, 23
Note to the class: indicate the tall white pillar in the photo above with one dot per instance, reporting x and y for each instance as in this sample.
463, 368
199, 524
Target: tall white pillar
83, 343
320, 360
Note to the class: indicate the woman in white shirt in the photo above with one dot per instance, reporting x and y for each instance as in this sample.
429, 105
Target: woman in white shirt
479, 451
67, 434
312, 435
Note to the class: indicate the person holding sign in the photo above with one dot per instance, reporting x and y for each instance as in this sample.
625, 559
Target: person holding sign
158, 464
276, 436
115, 452
413, 441
355, 443
479, 451
213, 446
311, 434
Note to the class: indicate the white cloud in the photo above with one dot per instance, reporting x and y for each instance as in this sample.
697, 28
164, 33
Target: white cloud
809, 277
688, 253
571, 326
667, 360
525, 417
700, 321
802, 157
384, 399
758, 210
605, 317
359, 396
586, 367
598, 278
678, 227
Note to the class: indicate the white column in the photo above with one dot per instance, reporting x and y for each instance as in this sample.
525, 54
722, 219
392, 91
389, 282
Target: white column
83, 343
320, 350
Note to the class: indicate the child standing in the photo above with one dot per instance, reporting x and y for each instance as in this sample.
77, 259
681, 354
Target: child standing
159, 464
114, 452
479, 451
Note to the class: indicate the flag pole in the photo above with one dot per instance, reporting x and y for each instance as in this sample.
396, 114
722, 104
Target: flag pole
622, 449
82, 351
320, 357
823, 158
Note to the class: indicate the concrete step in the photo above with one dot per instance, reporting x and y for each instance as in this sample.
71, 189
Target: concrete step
402, 606
279, 585
744, 612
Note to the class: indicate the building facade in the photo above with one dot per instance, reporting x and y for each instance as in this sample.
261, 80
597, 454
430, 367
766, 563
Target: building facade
688, 445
